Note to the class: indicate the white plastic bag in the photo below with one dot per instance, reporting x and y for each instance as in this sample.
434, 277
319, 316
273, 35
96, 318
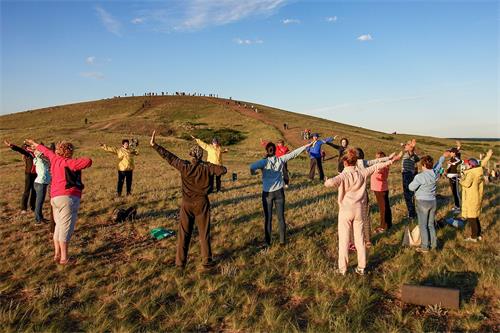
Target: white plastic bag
412, 238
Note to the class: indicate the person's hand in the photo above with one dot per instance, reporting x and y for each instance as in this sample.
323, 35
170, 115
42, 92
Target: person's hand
392, 156
309, 144
459, 144
152, 141
30, 142
489, 153
398, 156
335, 137
7, 143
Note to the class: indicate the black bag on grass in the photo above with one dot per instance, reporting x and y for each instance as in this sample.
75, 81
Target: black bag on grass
124, 214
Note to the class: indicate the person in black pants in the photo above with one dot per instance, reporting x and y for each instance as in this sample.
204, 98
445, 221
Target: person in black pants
125, 155
344, 143
408, 172
29, 176
453, 174
124, 176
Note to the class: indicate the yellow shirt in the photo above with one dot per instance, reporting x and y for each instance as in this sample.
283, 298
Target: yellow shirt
214, 153
125, 157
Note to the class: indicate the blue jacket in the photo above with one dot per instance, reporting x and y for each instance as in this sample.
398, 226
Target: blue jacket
424, 184
272, 169
315, 150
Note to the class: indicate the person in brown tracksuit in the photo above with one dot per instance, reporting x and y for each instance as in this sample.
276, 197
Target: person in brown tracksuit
195, 206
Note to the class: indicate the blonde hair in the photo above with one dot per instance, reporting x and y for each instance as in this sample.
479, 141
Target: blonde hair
64, 149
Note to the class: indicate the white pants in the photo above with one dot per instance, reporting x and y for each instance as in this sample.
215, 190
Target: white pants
351, 218
65, 209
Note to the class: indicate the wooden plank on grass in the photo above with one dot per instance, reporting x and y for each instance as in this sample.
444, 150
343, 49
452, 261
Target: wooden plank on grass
425, 295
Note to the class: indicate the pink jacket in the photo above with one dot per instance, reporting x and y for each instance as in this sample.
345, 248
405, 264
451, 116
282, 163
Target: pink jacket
352, 184
378, 182
60, 168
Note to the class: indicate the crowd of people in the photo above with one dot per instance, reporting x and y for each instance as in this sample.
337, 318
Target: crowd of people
55, 166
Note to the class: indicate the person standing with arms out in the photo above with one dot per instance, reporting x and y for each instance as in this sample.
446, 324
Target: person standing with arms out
380, 188
272, 187
453, 174
281, 150
472, 183
214, 156
65, 190
125, 155
195, 206
29, 176
344, 143
314, 151
424, 186
42, 181
352, 190
408, 171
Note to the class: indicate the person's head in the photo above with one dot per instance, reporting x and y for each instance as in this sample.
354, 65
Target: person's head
454, 152
344, 142
315, 136
350, 158
280, 142
270, 149
125, 143
380, 154
64, 149
360, 153
427, 162
196, 153
215, 142
471, 163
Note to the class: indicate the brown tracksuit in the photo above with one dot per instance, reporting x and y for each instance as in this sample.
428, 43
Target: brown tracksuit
195, 206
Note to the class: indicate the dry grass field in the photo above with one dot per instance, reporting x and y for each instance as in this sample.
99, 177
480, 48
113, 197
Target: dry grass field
125, 281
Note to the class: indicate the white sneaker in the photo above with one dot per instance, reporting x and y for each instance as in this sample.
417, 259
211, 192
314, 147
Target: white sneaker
479, 238
359, 271
469, 239
339, 272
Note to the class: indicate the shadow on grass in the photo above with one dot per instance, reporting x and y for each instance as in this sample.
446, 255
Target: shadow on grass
466, 282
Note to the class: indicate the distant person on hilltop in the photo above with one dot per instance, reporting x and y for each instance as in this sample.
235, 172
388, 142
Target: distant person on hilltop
408, 171
195, 206
314, 151
125, 155
281, 150
272, 188
214, 152
66, 189
472, 183
351, 184
344, 143
29, 176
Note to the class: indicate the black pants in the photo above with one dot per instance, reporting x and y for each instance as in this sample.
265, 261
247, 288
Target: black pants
127, 177
218, 182
269, 199
316, 162
29, 192
286, 177
194, 211
385, 209
454, 190
410, 204
475, 227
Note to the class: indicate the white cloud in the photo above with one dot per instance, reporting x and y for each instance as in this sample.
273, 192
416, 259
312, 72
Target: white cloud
192, 15
331, 19
137, 20
92, 75
248, 41
290, 21
90, 60
110, 23
365, 38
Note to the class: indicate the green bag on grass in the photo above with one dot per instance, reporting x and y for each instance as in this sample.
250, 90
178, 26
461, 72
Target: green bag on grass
161, 233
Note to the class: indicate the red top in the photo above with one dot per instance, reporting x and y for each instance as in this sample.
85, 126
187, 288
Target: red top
280, 149
58, 165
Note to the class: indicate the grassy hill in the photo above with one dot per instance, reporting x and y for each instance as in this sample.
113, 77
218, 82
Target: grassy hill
125, 281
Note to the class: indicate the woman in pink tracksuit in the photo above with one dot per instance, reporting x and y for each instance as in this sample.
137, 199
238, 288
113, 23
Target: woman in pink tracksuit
352, 190
65, 192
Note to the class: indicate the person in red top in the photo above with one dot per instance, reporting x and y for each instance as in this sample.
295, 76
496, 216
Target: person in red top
65, 191
380, 188
281, 150
29, 176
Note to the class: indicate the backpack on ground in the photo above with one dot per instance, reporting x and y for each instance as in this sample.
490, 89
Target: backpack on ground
124, 214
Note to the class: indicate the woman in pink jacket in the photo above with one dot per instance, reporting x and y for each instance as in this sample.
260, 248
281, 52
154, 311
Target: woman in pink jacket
380, 188
352, 190
65, 191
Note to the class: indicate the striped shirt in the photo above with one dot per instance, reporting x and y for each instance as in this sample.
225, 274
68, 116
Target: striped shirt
408, 162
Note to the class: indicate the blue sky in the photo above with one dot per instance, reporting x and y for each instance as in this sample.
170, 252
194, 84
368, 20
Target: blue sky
423, 67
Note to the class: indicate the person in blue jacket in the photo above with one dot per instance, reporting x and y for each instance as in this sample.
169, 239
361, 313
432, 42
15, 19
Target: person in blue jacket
314, 151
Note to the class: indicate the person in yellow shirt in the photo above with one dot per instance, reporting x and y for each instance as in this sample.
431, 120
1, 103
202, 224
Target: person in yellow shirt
125, 156
214, 152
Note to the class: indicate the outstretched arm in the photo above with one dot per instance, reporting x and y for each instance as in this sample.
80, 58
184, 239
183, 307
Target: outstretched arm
335, 181
200, 143
171, 158
486, 159
379, 160
109, 149
260, 164
18, 149
41, 148
294, 153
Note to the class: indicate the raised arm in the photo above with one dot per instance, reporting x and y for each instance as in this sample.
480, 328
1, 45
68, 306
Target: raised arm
109, 149
438, 165
379, 160
486, 159
45, 151
171, 158
20, 150
331, 144
294, 153
371, 169
76, 164
202, 144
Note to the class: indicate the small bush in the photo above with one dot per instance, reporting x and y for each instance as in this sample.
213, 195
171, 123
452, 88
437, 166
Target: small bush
226, 136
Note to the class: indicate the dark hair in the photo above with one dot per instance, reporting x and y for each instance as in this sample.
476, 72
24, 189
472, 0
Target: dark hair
381, 153
270, 149
346, 141
360, 153
125, 141
350, 157
427, 161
